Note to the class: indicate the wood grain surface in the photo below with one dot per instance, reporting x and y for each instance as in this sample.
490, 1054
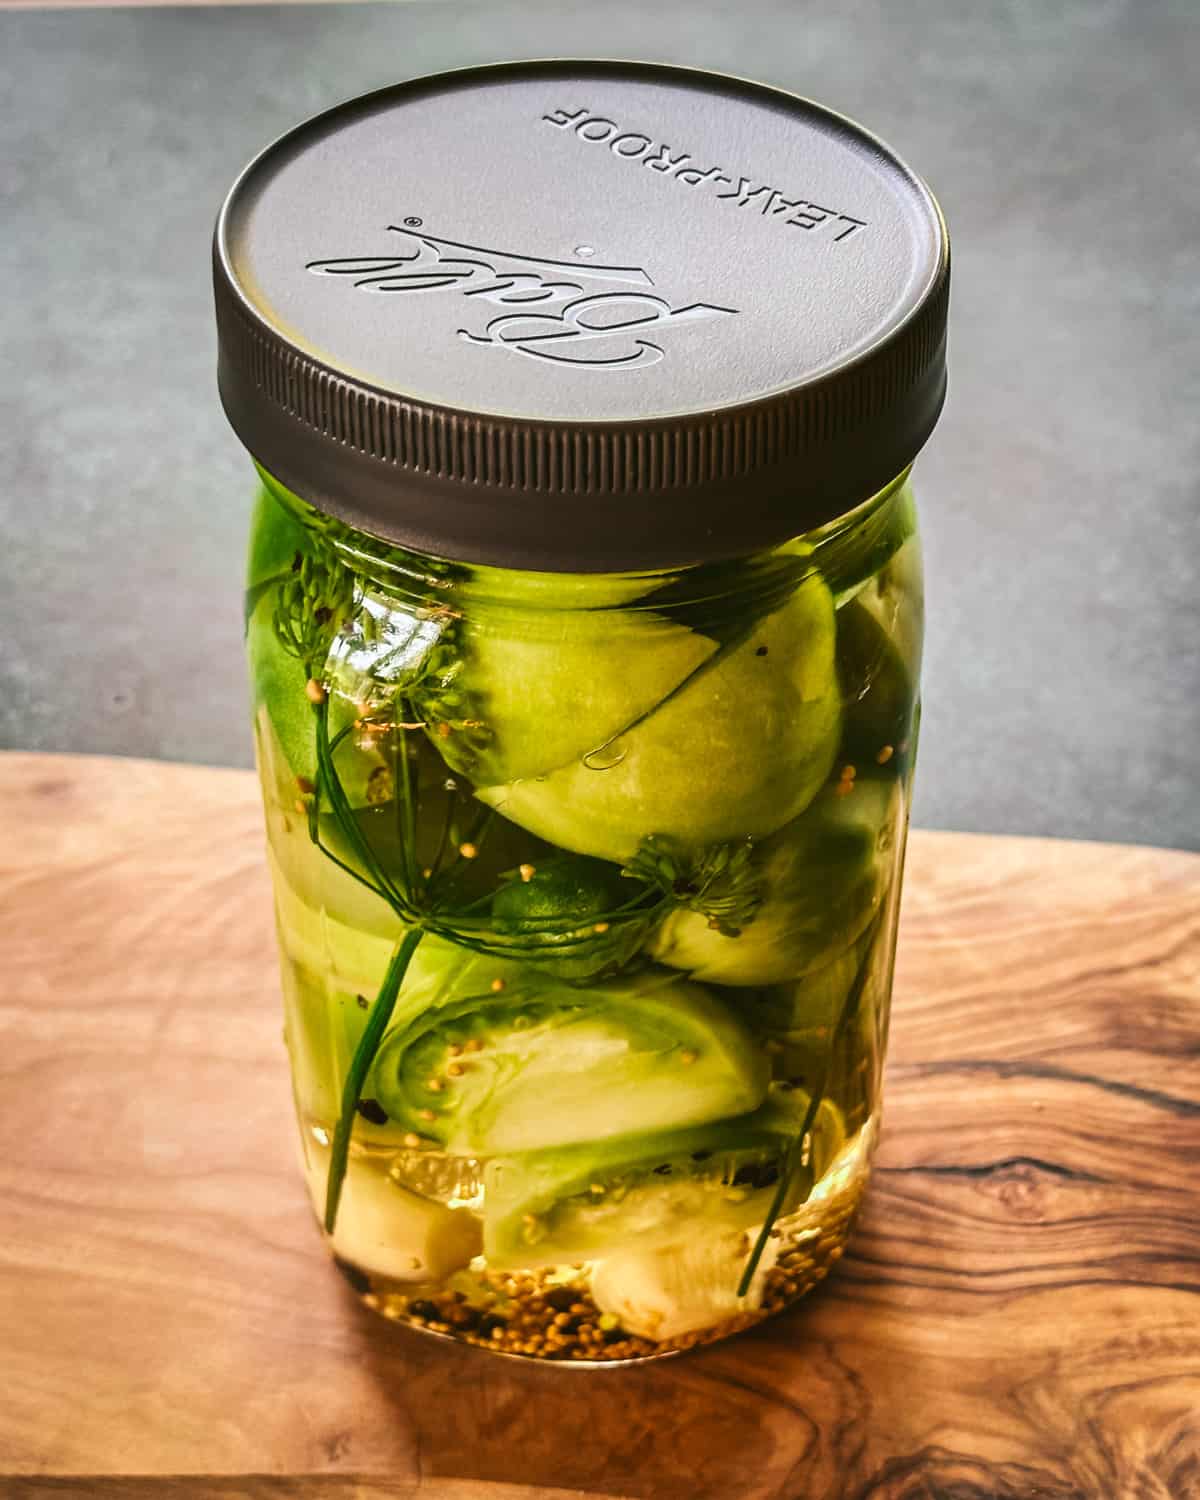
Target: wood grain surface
1018, 1315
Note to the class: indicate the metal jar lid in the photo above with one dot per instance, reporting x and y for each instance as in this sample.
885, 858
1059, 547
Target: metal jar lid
581, 316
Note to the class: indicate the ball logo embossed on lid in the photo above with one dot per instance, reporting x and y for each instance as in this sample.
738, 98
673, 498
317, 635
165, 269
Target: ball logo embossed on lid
583, 317
588, 316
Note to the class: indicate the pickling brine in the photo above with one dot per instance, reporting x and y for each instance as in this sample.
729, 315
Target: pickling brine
586, 892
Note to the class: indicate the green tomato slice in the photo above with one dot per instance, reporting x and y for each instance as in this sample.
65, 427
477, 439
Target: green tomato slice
822, 880
532, 1063
587, 1201
276, 536
740, 749
547, 688
569, 915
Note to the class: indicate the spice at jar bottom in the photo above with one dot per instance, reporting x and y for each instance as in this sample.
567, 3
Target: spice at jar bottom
584, 622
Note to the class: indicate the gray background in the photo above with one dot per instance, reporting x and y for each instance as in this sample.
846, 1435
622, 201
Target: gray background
1060, 493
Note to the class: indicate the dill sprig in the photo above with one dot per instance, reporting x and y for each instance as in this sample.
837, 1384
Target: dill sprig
310, 604
720, 882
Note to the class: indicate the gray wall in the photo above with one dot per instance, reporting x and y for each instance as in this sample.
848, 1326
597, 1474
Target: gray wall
1060, 493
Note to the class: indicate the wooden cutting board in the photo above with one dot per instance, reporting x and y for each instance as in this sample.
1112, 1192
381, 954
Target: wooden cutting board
1018, 1315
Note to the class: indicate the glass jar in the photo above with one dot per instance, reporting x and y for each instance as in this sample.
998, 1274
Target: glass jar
586, 890
586, 849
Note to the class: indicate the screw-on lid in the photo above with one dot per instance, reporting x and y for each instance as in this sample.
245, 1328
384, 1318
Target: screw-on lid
581, 316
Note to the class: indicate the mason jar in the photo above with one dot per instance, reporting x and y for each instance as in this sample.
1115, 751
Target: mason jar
584, 624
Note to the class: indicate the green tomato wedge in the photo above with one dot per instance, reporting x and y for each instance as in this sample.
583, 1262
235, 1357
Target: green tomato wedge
801, 1026
807, 1007
279, 684
276, 536
852, 550
587, 1201
822, 879
878, 691
331, 973
512, 593
353, 955
536, 1063
309, 875
569, 915
896, 597
562, 889
278, 679
323, 1021
739, 750
443, 820
441, 973
546, 688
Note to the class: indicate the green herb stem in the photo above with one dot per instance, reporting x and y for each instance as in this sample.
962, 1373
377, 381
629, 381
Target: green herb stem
360, 1066
349, 869
793, 1152
340, 807
408, 803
